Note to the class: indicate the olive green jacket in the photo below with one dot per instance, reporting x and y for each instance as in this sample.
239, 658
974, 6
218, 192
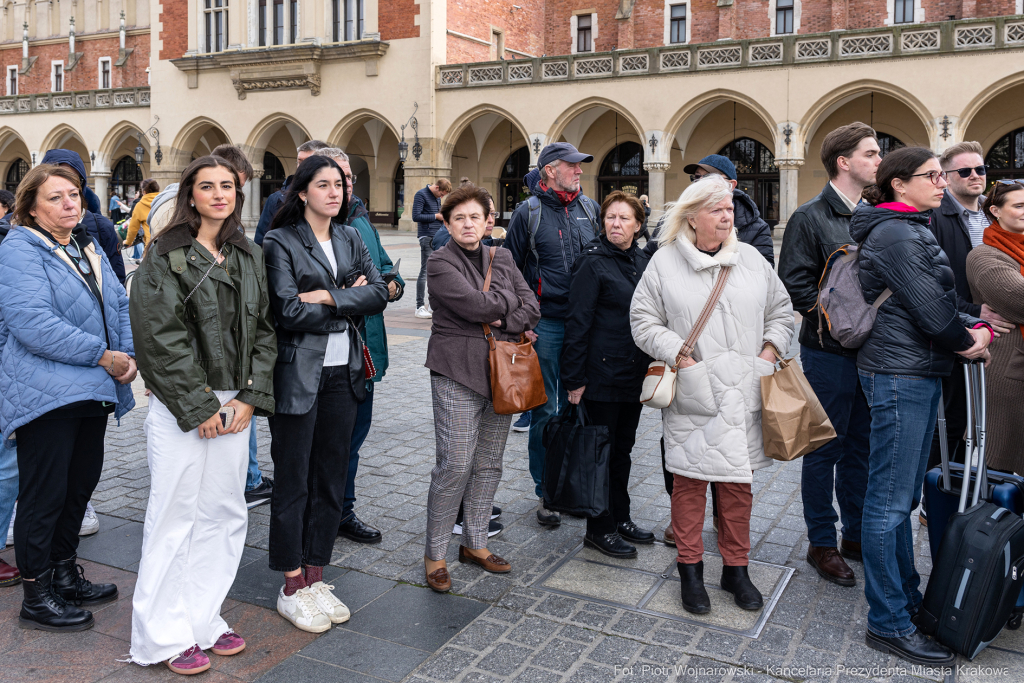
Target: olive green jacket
222, 339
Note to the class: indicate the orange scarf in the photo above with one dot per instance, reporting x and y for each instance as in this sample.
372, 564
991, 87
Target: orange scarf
1010, 243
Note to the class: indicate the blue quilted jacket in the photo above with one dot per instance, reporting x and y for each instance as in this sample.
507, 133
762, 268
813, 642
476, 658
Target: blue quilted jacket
51, 331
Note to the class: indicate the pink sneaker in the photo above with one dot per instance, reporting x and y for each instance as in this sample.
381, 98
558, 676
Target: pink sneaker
191, 661
230, 643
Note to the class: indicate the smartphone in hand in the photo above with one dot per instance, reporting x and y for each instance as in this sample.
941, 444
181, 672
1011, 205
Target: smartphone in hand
227, 416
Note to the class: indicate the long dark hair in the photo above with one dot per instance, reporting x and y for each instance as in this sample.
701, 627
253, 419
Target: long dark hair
293, 209
186, 214
902, 164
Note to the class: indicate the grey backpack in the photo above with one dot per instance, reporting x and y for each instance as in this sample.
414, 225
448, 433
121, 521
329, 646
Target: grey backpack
841, 300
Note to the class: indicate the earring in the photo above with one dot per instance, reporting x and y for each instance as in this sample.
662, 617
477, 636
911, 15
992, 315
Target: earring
303, 202
192, 204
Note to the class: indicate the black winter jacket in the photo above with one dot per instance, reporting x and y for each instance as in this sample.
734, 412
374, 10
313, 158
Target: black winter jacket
561, 235
918, 329
813, 232
425, 206
296, 263
598, 351
270, 207
952, 236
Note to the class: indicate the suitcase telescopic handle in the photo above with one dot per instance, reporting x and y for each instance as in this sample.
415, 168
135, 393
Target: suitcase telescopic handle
974, 376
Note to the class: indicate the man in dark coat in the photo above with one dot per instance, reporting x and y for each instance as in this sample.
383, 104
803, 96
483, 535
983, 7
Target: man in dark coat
96, 224
426, 211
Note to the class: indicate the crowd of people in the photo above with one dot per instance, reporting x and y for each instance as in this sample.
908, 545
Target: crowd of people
290, 326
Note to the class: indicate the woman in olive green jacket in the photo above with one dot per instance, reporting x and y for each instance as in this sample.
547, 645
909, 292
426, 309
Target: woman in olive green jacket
206, 348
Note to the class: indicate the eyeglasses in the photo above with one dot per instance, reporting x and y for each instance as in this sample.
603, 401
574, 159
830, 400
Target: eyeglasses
694, 177
932, 176
352, 178
494, 215
72, 250
966, 172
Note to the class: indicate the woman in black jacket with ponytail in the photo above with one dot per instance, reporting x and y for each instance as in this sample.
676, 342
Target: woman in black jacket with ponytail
322, 283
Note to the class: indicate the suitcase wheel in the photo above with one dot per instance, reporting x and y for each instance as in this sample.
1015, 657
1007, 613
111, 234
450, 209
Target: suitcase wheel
1014, 623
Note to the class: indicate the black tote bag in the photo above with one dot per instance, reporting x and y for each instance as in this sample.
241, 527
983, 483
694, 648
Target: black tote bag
576, 464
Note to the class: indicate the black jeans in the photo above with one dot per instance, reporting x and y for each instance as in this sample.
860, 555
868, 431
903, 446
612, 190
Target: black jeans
60, 458
310, 454
622, 420
421, 282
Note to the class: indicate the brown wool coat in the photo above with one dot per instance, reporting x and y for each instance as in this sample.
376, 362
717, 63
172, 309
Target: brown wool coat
996, 280
457, 348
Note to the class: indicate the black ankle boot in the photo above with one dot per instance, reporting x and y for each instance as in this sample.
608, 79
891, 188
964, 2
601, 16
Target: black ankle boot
695, 596
44, 610
737, 581
70, 583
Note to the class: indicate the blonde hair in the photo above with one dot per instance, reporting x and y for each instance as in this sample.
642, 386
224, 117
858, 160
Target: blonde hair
708, 191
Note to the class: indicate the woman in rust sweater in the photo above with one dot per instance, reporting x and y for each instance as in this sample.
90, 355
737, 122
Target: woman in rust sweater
470, 435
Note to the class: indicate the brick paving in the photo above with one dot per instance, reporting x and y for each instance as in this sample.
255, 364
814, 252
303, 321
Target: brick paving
492, 627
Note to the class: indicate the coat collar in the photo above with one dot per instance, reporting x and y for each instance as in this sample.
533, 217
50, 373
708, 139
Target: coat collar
834, 201
698, 260
180, 236
305, 233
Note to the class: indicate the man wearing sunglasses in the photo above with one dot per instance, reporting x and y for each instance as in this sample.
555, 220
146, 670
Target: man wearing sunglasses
958, 225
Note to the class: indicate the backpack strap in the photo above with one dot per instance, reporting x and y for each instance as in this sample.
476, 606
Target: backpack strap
533, 203
589, 210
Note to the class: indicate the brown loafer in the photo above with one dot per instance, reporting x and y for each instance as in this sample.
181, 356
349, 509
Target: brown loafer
850, 550
670, 538
493, 563
830, 566
439, 580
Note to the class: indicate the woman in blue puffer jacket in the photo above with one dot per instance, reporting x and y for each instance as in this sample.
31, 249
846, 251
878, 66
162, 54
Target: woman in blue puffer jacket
66, 363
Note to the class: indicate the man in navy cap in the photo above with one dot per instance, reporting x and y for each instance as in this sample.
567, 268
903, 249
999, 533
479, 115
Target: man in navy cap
545, 235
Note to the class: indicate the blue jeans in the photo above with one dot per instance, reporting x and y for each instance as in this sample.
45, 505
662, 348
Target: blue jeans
843, 462
8, 484
364, 416
421, 282
903, 412
253, 478
550, 333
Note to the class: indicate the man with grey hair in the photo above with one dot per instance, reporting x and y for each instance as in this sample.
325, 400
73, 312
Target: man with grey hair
546, 235
273, 203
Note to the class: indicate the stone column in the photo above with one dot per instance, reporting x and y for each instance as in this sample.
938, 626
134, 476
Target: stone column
789, 179
102, 180
656, 188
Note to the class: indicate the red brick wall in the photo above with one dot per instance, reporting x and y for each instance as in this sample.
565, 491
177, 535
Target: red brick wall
174, 30
84, 75
995, 8
941, 10
866, 13
523, 28
395, 19
703, 15
816, 16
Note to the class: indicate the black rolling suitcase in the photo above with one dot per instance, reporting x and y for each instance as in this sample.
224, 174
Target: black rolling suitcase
978, 571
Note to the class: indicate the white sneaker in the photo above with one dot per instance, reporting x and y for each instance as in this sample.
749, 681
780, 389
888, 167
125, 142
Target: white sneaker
330, 605
90, 523
301, 609
423, 312
10, 529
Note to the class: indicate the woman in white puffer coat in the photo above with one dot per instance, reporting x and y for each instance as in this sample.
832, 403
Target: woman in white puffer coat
713, 427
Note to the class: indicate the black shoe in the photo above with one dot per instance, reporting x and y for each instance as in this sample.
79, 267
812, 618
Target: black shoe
547, 517
736, 581
69, 582
695, 596
44, 610
354, 529
495, 512
611, 545
493, 528
917, 648
260, 495
634, 534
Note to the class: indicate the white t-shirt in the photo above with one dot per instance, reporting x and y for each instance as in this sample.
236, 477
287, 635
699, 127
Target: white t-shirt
337, 342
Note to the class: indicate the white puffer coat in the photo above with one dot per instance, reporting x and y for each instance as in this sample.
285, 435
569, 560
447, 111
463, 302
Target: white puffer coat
713, 427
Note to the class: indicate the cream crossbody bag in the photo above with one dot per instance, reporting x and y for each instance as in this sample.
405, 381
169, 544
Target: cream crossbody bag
660, 381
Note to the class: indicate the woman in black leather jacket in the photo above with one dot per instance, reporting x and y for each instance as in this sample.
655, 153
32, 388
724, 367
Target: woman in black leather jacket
914, 342
322, 283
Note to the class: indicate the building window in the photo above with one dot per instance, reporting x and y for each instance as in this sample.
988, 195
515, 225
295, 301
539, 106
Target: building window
126, 179
278, 22
273, 177
784, 16
12, 80
584, 33
103, 74
677, 25
216, 17
1006, 158
903, 12
756, 174
293, 9
15, 173
57, 76
888, 143
263, 23
353, 19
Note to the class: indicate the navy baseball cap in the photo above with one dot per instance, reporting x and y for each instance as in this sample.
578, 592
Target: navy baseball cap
563, 151
714, 163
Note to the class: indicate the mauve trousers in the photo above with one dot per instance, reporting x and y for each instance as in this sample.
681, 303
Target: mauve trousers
689, 498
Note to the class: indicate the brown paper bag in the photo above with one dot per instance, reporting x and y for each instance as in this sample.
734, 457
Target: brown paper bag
793, 421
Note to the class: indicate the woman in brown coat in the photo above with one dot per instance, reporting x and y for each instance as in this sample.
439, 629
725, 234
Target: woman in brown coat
470, 435
995, 271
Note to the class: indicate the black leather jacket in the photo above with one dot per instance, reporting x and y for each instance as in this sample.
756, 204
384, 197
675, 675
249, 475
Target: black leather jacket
952, 236
918, 329
813, 232
295, 264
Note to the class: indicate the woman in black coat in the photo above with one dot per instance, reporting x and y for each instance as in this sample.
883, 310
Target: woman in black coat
602, 366
322, 283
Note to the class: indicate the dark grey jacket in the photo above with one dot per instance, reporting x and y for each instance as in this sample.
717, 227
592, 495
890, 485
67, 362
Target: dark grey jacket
952, 236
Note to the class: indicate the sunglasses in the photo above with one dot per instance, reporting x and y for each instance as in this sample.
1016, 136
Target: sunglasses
966, 172
932, 176
1010, 181
72, 250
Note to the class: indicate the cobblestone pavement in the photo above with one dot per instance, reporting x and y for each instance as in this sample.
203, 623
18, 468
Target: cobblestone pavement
499, 627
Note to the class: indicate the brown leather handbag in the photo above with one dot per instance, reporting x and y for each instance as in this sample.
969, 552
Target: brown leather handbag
517, 384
